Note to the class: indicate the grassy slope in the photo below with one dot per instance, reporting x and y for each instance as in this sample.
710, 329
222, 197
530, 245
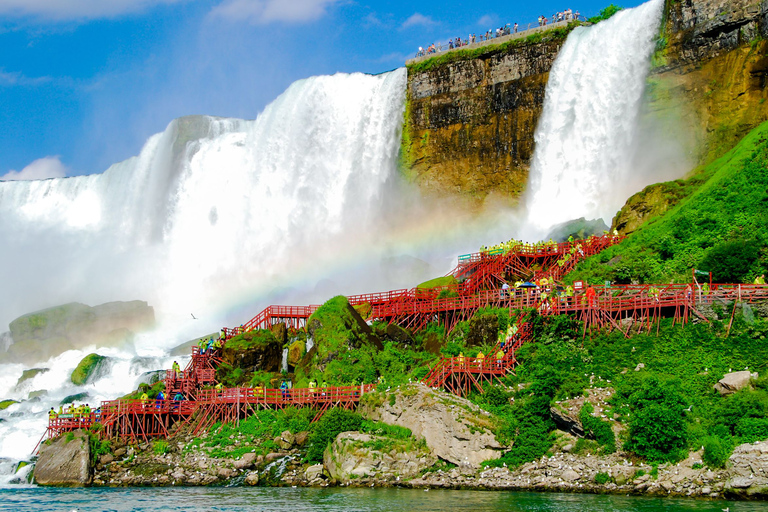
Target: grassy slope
730, 204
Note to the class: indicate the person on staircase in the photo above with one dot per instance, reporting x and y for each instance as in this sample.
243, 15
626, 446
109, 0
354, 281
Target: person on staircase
176, 370
144, 400
284, 390
591, 297
159, 399
500, 358
202, 345
480, 359
52, 415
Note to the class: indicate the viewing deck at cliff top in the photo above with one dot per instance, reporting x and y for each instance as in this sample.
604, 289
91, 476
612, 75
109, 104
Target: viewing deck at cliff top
493, 41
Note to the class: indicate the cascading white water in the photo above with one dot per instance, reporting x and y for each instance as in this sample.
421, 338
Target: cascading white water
586, 135
211, 210
210, 205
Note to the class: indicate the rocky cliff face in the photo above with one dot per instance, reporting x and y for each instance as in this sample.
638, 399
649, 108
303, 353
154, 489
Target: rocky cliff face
711, 68
66, 462
470, 123
708, 87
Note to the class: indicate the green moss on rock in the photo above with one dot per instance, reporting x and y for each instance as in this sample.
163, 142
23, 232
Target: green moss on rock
6, 404
87, 368
438, 282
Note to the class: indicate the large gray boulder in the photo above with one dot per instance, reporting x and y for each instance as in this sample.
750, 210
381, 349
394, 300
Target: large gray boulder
50, 332
454, 428
65, 462
734, 381
354, 455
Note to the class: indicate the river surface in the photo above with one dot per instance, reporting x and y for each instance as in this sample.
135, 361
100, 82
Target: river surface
191, 499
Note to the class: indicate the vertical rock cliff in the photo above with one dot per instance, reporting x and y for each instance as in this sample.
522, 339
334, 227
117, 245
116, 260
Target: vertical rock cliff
469, 122
710, 68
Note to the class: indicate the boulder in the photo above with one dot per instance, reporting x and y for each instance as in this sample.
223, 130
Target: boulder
577, 228
47, 333
734, 381
296, 351
253, 351
313, 472
4, 404
30, 374
464, 439
567, 421
252, 479
90, 368
78, 397
280, 332
354, 455
245, 462
301, 438
65, 462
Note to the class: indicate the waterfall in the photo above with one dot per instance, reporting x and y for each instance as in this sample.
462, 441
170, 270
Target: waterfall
209, 211
211, 206
284, 361
586, 137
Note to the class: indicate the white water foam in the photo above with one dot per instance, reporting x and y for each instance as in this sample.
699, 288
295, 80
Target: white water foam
586, 137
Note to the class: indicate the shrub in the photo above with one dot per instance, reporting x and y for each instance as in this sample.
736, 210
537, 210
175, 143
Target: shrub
597, 428
715, 452
605, 13
730, 262
657, 429
602, 478
333, 423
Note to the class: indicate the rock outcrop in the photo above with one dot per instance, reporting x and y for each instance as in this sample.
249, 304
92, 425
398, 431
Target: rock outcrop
470, 123
65, 462
734, 381
355, 455
455, 429
47, 333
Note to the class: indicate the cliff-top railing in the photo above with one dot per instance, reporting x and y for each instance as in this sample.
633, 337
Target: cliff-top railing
531, 28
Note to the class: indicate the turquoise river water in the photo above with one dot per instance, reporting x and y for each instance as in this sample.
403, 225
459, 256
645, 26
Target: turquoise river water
191, 499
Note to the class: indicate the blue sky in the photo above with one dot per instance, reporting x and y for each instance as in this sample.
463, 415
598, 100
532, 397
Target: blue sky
84, 83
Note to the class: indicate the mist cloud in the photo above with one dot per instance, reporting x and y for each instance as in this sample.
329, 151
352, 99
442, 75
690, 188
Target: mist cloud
41, 169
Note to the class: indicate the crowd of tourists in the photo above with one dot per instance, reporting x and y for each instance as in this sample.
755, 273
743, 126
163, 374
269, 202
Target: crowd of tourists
509, 28
75, 412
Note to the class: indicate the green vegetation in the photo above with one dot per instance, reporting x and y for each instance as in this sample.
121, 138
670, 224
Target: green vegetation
332, 423
604, 14
438, 282
161, 447
717, 223
598, 429
251, 339
87, 368
546, 36
668, 408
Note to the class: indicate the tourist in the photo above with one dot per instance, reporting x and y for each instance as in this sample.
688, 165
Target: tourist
144, 400
52, 415
515, 28
760, 279
480, 358
159, 400
176, 369
591, 297
284, 390
500, 358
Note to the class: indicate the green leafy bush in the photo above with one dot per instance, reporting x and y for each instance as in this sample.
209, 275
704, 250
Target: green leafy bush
333, 423
657, 425
602, 478
161, 447
605, 13
731, 262
597, 428
715, 452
